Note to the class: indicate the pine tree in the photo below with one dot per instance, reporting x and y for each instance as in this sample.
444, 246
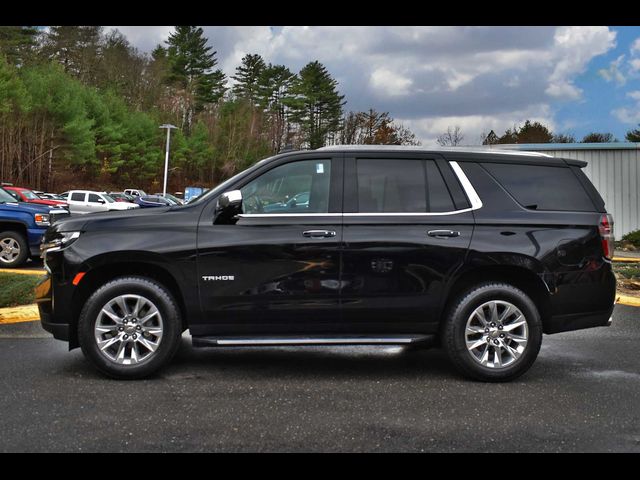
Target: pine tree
274, 97
317, 105
247, 77
77, 48
18, 44
191, 64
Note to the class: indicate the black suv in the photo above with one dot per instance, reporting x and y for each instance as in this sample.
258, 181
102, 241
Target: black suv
480, 252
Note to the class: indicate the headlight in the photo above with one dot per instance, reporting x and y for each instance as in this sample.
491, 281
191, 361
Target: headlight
42, 219
62, 240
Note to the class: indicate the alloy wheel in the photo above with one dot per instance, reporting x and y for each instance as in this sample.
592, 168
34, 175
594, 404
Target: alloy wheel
128, 329
496, 334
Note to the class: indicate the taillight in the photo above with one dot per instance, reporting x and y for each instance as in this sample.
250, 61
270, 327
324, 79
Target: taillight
606, 234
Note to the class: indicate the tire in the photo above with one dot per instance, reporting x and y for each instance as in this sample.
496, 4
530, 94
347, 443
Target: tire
490, 360
128, 342
10, 241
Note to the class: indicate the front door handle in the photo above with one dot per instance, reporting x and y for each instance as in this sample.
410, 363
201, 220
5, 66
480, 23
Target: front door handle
319, 234
443, 233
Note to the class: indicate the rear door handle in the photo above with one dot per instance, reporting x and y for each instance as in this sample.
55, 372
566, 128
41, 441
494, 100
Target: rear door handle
443, 233
319, 233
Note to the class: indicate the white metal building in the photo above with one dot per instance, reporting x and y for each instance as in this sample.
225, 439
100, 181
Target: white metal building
614, 169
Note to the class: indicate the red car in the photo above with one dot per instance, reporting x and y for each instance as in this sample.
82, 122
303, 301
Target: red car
26, 195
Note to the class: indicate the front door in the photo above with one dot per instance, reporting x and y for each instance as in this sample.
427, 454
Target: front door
407, 227
277, 268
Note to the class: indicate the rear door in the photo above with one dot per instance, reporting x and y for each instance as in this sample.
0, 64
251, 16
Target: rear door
407, 227
77, 202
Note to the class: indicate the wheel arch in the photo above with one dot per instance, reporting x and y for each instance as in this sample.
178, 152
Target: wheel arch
522, 278
106, 271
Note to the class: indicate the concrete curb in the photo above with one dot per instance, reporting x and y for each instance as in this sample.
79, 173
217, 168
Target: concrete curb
628, 300
625, 260
25, 313
23, 272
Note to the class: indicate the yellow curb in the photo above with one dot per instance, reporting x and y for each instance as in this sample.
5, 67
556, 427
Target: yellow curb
23, 272
628, 300
25, 313
626, 259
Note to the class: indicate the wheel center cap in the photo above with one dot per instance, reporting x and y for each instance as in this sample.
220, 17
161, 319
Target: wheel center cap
129, 329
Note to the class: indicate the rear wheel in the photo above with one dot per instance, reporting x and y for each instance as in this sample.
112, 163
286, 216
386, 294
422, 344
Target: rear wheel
493, 332
14, 249
130, 327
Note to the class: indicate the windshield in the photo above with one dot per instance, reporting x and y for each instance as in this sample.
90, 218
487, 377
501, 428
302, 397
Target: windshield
221, 187
108, 198
5, 197
29, 195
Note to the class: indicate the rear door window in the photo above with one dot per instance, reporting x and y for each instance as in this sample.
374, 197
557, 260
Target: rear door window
77, 197
542, 187
401, 186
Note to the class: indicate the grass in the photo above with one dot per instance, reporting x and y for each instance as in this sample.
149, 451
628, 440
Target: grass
628, 271
17, 289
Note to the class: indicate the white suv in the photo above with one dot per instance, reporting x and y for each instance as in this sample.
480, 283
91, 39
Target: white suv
85, 201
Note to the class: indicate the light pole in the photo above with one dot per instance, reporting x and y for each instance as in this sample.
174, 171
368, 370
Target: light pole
169, 127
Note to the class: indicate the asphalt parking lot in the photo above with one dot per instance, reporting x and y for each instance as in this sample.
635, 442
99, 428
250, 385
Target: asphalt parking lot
581, 395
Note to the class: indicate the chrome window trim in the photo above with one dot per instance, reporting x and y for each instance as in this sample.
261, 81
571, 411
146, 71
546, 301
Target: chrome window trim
471, 193
473, 196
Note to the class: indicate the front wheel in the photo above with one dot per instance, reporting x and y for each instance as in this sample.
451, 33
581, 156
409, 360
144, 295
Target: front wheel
493, 332
130, 327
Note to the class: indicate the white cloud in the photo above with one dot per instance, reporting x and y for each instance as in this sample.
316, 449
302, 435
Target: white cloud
635, 64
420, 74
613, 73
574, 47
635, 46
473, 126
632, 114
390, 83
627, 115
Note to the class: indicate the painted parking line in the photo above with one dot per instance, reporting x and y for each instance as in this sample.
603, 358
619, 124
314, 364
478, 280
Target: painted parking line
23, 272
25, 313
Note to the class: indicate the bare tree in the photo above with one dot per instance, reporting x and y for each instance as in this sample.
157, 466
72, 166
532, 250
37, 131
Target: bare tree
451, 138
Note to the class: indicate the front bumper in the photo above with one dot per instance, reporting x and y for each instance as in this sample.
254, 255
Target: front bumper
54, 317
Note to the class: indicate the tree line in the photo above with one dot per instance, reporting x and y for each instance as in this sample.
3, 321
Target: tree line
78, 105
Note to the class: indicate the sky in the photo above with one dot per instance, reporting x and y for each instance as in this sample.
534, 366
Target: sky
575, 80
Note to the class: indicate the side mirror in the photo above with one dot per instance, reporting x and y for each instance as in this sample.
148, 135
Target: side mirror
101, 201
229, 205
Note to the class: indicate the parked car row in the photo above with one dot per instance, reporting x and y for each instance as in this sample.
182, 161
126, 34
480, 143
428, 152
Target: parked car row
25, 214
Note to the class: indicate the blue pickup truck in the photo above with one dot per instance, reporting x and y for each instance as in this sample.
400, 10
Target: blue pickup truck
21, 228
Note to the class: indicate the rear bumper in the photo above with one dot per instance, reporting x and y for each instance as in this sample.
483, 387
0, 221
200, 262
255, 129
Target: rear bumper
579, 321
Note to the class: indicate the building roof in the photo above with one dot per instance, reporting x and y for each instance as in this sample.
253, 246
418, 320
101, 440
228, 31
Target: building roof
567, 146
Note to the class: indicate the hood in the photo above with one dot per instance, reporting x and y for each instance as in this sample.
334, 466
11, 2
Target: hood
122, 206
48, 202
113, 219
24, 207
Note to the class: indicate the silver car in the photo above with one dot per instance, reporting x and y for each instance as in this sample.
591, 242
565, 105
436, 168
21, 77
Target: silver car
86, 201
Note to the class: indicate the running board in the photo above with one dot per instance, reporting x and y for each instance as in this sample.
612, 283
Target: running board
285, 340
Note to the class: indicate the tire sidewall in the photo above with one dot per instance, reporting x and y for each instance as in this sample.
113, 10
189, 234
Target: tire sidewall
454, 332
171, 324
24, 248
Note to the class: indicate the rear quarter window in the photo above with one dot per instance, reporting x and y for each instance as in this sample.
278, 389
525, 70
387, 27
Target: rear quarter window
542, 187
